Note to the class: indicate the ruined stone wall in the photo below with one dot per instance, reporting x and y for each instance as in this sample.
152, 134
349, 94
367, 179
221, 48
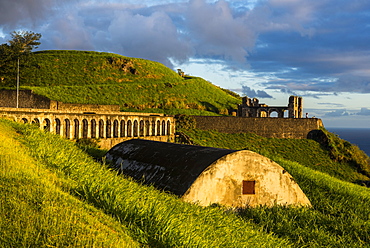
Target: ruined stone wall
30, 100
27, 99
87, 107
297, 128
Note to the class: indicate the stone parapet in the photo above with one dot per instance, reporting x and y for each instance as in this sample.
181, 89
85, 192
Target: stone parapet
297, 128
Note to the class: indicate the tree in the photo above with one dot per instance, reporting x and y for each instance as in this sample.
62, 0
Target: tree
23, 42
20, 45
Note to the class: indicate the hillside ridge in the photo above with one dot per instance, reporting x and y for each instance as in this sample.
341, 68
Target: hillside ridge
134, 84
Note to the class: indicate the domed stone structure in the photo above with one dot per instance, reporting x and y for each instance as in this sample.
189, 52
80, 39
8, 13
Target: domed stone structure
205, 175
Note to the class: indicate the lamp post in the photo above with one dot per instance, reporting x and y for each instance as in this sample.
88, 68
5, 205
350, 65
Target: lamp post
18, 84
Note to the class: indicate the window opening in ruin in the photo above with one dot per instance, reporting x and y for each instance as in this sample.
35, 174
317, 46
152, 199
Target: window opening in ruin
85, 127
57, 126
263, 113
274, 114
158, 128
93, 129
249, 187
147, 128
163, 128
153, 128
101, 129
136, 127
115, 129
123, 129
168, 127
46, 125
67, 128
141, 131
36, 122
109, 129
24, 120
77, 129
129, 129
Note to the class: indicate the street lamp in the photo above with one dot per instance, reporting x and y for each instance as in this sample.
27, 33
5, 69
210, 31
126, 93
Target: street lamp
18, 84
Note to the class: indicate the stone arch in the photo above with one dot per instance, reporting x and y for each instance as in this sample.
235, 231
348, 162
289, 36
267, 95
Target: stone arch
147, 128
262, 112
67, 128
158, 128
136, 128
46, 124
101, 129
168, 127
123, 129
85, 128
163, 127
57, 126
273, 113
141, 128
36, 122
153, 127
108, 129
24, 120
93, 128
115, 129
129, 128
76, 129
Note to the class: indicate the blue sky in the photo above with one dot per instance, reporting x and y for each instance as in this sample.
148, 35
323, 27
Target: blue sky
269, 49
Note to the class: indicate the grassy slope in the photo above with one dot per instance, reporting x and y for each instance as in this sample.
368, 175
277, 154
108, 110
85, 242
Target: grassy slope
304, 151
53, 194
340, 214
134, 84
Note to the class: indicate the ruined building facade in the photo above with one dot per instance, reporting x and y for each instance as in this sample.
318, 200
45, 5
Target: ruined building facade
252, 108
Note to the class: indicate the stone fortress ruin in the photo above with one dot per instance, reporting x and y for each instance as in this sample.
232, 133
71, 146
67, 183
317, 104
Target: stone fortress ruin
197, 174
110, 126
252, 108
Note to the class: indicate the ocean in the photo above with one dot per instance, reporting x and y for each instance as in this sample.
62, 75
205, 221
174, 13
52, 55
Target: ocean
357, 136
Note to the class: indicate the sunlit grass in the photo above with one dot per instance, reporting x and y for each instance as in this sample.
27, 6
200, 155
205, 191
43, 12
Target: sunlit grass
152, 217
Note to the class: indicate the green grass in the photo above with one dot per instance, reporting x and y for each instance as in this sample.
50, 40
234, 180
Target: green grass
340, 213
57, 177
339, 217
303, 151
105, 78
36, 209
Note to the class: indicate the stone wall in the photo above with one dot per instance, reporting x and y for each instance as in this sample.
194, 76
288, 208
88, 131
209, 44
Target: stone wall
30, 100
297, 128
27, 99
73, 107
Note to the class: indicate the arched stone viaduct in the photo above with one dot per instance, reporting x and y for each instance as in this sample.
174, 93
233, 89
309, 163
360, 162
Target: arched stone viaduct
110, 128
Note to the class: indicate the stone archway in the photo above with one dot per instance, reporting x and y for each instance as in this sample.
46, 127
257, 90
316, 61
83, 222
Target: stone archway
46, 124
57, 126
76, 129
85, 128
67, 128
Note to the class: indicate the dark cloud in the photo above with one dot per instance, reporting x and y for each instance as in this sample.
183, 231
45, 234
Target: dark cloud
301, 47
247, 91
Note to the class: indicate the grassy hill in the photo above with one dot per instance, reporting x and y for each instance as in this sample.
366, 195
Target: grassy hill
134, 84
53, 194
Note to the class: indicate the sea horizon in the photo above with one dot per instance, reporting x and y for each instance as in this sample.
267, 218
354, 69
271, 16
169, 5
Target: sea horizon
356, 136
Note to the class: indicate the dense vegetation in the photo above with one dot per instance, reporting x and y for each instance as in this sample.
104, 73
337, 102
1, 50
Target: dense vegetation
52, 194
134, 84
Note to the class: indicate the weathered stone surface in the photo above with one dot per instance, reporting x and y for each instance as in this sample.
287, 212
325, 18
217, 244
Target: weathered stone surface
207, 175
297, 128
